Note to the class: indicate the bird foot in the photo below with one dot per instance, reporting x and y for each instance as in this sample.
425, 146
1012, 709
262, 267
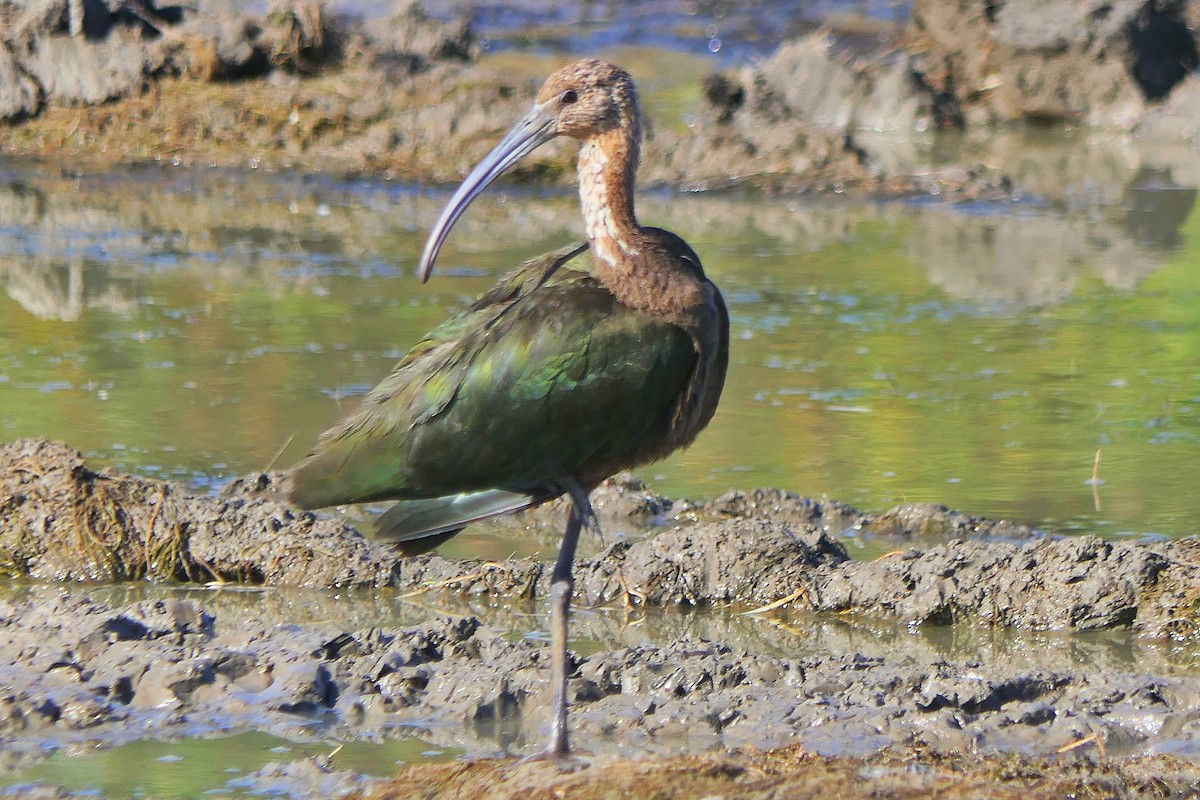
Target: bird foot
565, 760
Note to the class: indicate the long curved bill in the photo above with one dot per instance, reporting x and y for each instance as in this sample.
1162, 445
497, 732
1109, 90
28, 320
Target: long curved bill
530, 133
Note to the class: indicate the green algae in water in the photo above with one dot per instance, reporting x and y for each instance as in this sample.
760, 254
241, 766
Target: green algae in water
977, 356
195, 768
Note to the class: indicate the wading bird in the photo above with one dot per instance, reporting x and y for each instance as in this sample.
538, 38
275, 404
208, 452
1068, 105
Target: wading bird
581, 363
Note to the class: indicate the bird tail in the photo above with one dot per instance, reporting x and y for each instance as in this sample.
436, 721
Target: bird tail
416, 526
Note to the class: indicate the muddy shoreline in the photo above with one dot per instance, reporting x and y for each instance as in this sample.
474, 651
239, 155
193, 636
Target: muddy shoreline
850, 108
60, 520
89, 670
855, 106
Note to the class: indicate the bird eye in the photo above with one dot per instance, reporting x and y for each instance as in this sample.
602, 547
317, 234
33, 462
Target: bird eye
569, 97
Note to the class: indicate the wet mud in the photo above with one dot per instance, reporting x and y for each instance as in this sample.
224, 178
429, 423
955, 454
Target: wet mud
60, 520
89, 672
847, 107
87, 668
90, 84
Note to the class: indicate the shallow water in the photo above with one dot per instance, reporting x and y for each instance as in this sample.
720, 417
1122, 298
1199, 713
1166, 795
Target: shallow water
199, 325
208, 767
213, 763
722, 32
196, 326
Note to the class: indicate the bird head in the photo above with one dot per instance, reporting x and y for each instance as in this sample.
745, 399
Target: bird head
587, 98
582, 100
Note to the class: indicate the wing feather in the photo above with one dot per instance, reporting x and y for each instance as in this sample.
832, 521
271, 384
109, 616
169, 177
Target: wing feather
544, 376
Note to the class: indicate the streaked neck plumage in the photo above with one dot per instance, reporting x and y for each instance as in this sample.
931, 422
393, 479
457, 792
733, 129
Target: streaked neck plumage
607, 168
633, 263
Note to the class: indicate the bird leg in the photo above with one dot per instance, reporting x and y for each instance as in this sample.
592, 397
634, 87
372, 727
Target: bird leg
561, 586
579, 499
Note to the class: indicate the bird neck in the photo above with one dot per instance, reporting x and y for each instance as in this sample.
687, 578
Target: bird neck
607, 167
628, 262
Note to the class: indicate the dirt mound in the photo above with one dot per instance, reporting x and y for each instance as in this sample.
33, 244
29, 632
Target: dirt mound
1021, 59
60, 520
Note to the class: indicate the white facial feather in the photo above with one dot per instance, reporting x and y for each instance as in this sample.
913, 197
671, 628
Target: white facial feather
596, 184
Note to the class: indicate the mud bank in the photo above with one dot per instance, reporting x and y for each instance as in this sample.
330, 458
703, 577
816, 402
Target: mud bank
83, 672
286, 89
850, 107
84, 668
59, 520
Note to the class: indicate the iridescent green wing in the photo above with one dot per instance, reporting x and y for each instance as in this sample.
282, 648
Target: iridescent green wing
567, 383
543, 376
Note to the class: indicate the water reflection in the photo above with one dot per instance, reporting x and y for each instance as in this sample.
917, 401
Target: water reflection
220, 766
187, 324
785, 633
66, 245
1156, 207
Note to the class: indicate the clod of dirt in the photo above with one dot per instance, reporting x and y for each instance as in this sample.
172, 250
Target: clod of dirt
620, 499
223, 48
818, 115
297, 35
411, 40
1171, 607
60, 520
77, 71
20, 95
837, 92
308, 777
930, 520
744, 134
1022, 59
924, 520
739, 561
120, 55
788, 508
723, 94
